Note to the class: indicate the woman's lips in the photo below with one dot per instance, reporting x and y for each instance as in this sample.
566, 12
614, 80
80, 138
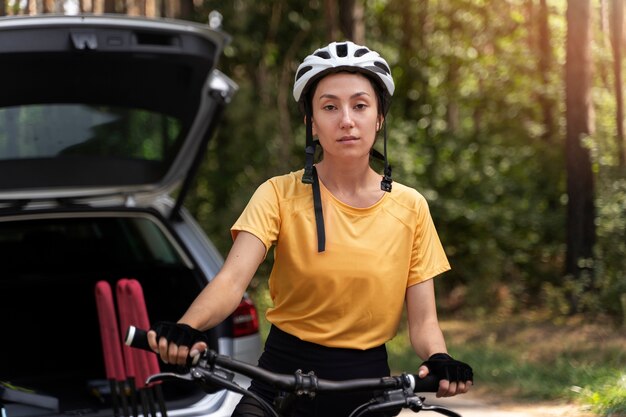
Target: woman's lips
348, 139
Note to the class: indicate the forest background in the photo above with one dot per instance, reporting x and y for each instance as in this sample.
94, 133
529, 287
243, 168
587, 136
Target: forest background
508, 117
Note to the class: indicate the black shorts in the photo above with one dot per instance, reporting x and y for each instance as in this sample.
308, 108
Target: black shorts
285, 354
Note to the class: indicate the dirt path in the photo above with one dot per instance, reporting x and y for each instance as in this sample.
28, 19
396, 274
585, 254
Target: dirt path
472, 405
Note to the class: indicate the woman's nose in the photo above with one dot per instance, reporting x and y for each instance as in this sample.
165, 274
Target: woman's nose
346, 119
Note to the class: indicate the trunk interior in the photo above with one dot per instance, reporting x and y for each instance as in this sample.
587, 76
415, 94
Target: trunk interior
52, 342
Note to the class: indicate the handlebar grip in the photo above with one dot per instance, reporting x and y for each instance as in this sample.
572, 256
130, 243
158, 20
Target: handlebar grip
137, 338
429, 383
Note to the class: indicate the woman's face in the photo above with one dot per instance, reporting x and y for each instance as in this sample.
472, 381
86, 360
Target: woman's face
345, 115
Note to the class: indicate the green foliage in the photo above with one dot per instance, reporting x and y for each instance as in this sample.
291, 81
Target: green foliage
496, 225
608, 398
476, 125
475, 148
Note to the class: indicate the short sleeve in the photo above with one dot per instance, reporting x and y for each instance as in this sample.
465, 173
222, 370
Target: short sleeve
261, 216
428, 256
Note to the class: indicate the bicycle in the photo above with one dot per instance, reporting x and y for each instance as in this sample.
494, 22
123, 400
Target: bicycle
213, 371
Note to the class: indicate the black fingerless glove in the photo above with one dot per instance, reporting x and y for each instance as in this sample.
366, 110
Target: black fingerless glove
443, 366
178, 333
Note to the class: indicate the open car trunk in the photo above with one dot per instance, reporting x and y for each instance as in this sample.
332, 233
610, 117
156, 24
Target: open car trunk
48, 291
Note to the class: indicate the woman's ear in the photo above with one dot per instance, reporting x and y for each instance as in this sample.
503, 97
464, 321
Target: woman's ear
379, 122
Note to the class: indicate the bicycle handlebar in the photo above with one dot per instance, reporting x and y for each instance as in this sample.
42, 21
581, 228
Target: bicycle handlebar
205, 371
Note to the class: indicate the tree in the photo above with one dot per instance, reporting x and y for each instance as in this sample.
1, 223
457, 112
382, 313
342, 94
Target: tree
351, 20
580, 226
617, 39
545, 66
345, 20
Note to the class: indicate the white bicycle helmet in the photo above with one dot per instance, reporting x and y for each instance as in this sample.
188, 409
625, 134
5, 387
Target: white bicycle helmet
336, 57
342, 56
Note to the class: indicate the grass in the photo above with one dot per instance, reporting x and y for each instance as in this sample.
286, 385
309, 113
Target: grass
527, 359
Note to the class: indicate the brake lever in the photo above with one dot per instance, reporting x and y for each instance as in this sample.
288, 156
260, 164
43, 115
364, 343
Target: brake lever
441, 410
164, 376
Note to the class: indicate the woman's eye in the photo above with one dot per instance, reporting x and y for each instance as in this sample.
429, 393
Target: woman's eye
361, 106
329, 107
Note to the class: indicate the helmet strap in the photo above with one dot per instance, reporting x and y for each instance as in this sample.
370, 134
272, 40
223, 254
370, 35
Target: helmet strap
310, 177
385, 184
309, 149
319, 214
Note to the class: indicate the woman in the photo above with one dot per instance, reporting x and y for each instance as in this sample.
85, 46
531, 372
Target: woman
350, 249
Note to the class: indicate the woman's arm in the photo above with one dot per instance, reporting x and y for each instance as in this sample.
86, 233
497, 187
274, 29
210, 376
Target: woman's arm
426, 336
424, 331
217, 300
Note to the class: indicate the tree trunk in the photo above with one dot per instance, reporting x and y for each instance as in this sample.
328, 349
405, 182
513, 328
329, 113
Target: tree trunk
186, 9
31, 7
605, 33
109, 6
52, 6
151, 8
452, 82
3, 8
617, 27
415, 24
579, 120
284, 97
351, 20
330, 11
545, 66
136, 7
172, 8
85, 6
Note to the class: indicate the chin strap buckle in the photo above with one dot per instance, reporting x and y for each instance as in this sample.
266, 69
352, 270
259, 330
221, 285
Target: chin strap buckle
385, 184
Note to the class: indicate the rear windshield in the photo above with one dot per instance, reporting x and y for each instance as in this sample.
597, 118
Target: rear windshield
48, 145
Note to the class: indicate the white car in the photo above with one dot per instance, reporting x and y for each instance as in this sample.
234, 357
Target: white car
104, 121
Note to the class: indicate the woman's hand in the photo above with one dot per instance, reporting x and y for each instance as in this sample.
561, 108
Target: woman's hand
455, 377
177, 343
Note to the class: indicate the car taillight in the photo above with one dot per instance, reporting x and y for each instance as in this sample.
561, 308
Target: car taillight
245, 319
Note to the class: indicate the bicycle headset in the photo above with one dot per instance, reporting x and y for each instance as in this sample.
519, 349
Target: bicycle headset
338, 57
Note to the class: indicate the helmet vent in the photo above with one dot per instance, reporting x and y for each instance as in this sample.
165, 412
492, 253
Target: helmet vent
360, 52
342, 50
303, 71
322, 54
382, 66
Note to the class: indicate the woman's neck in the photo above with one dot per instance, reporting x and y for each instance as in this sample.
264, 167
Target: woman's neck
357, 185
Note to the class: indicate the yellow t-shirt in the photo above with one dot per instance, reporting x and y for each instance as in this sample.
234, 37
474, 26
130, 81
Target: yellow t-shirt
352, 294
